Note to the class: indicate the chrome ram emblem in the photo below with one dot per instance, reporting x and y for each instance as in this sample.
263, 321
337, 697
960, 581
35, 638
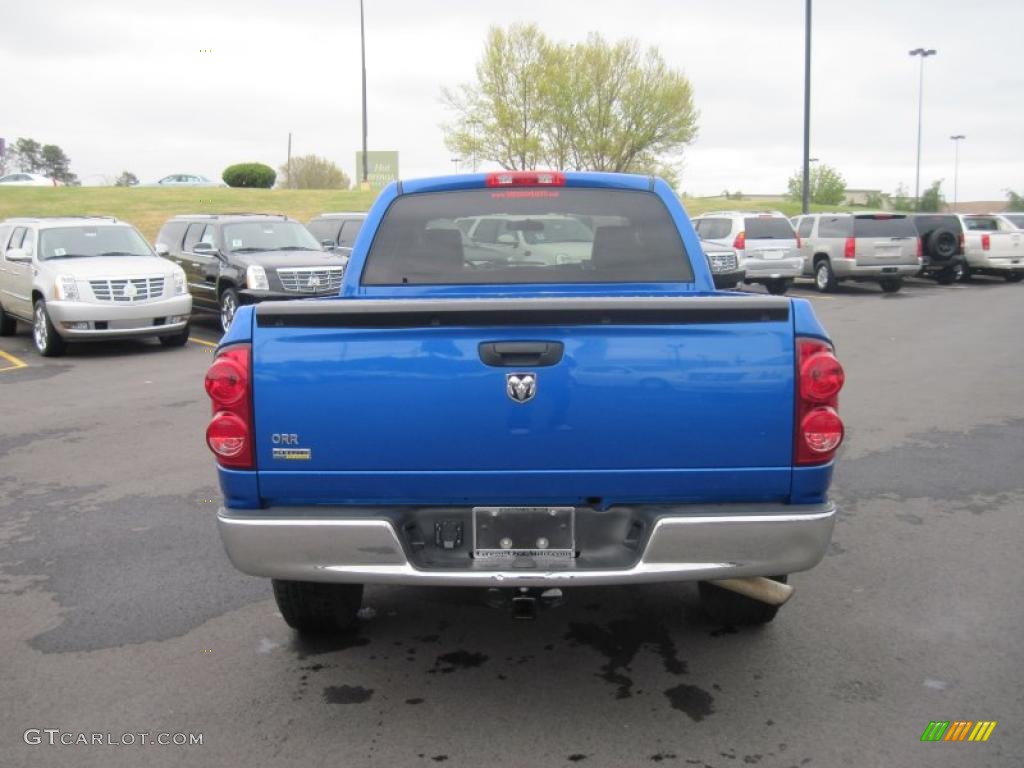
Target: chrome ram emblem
521, 387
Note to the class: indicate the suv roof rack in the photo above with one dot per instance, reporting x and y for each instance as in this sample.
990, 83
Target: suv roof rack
228, 214
64, 216
743, 213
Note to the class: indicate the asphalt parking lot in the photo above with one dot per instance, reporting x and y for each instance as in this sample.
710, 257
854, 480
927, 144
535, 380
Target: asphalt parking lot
122, 615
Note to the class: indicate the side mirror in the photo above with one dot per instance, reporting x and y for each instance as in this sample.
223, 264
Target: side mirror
162, 250
205, 249
508, 239
18, 254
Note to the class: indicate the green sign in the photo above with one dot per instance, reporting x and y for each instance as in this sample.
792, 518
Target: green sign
381, 168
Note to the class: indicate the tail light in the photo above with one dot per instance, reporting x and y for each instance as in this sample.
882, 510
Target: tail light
920, 249
740, 242
526, 179
986, 242
799, 245
229, 433
819, 430
960, 242
850, 249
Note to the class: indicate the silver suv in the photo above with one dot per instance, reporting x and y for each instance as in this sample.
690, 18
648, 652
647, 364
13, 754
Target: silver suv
872, 247
87, 278
767, 246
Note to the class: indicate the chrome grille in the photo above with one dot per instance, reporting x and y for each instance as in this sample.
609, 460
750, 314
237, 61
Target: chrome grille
723, 262
311, 279
127, 290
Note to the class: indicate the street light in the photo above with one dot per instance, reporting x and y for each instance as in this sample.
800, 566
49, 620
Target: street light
456, 161
924, 53
362, 44
806, 191
956, 164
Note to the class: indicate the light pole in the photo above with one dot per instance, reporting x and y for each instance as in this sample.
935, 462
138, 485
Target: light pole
956, 165
456, 161
362, 42
924, 53
806, 192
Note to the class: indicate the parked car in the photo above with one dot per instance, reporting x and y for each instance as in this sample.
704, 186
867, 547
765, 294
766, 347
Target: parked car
28, 180
992, 246
543, 239
1015, 220
767, 246
942, 246
862, 247
87, 279
611, 420
184, 180
232, 259
724, 264
337, 231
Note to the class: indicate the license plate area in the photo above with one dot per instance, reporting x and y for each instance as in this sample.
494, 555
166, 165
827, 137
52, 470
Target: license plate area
888, 270
524, 532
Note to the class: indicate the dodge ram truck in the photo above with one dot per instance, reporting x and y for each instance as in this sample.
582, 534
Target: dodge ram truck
457, 418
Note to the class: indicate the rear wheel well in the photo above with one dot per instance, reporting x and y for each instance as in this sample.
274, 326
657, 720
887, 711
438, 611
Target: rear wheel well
819, 257
223, 285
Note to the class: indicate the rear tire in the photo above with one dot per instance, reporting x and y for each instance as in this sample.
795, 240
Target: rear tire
179, 339
824, 277
891, 285
728, 607
48, 342
311, 607
8, 325
1014, 277
778, 287
948, 276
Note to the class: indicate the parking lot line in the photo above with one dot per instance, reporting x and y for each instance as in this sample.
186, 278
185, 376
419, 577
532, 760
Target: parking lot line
203, 342
15, 363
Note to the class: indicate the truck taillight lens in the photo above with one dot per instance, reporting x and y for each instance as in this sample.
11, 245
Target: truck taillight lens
920, 249
986, 242
229, 434
960, 242
850, 249
526, 179
740, 243
820, 377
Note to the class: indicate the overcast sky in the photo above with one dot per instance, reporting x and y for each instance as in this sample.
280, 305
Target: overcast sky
124, 84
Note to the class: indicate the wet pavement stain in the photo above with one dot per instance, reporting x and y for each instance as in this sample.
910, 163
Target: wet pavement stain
315, 645
449, 662
576, 758
620, 642
660, 756
414, 701
691, 700
439, 758
347, 694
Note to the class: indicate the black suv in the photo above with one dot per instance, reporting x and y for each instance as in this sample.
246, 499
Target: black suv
337, 231
241, 258
942, 246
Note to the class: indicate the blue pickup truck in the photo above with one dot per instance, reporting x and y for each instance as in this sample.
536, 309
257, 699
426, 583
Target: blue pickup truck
527, 382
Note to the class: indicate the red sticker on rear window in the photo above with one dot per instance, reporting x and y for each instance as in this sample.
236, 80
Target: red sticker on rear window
508, 194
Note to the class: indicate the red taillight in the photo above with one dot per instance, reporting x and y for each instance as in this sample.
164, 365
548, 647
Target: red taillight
960, 242
799, 245
920, 249
229, 433
740, 242
526, 179
819, 430
986, 242
850, 249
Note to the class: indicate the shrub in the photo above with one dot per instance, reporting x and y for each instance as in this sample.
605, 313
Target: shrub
249, 175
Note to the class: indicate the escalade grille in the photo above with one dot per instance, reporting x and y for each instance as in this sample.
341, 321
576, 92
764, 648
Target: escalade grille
311, 279
127, 290
723, 262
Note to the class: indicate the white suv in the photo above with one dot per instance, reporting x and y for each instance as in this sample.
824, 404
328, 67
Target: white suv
767, 246
88, 278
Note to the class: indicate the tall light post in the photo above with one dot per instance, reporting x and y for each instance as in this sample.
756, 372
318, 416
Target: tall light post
956, 165
924, 53
456, 161
806, 192
362, 43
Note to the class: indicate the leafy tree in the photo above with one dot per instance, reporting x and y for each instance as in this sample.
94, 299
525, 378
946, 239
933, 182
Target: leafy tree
827, 186
901, 200
313, 172
932, 200
26, 155
56, 164
595, 105
126, 179
874, 200
249, 175
1015, 202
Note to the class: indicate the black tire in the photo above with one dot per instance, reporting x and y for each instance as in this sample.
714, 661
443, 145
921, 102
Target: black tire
824, 277
1013, 277
942, 244
728, 607
778, 287
891, 284
8, 325
48, 342
179, 339
947, 276
229, 304
311, 607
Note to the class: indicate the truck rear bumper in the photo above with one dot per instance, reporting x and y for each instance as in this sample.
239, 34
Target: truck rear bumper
685, 543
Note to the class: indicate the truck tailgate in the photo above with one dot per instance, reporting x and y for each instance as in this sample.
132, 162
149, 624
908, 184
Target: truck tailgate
399, 401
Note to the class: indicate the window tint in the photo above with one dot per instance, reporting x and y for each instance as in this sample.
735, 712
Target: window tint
325, 229
981, 224
209, 235
806, 225
883, 226
349, 230
768, 228
82, 241
171, 235
195, 231
419, 242
835, 226
255, 236
715, 229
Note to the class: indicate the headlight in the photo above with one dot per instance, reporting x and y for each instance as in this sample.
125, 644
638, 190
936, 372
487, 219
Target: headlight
256, 278
66, 289
178, 279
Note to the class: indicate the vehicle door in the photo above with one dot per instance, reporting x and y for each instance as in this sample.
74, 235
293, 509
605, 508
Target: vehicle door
17, 276
201, 268
804, 228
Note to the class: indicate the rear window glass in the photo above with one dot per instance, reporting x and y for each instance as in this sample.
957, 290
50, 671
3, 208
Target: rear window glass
768, 228
889, 226
714, 229
324, 229
981, 224
834, 226
526, 235
1016, 219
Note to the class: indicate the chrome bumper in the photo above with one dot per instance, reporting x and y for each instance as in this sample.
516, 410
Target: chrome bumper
722, 541
123, 319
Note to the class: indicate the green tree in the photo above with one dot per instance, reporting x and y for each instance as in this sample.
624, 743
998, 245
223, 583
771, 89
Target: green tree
1014, 201
126, 179
312, 172
26, 156
592, 105
255, 175
901, 200
56, 164
827, 186
932, 200
874, 200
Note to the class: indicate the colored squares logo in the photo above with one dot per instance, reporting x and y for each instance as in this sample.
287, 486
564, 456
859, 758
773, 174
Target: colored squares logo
958, 730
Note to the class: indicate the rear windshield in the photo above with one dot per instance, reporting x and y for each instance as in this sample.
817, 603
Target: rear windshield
981, 224
522, 236
768, 228
883, 226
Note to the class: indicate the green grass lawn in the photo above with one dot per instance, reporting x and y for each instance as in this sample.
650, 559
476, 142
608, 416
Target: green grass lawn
149, 208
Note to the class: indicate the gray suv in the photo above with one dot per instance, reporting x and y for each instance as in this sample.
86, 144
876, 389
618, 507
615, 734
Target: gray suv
765, 243
863, 247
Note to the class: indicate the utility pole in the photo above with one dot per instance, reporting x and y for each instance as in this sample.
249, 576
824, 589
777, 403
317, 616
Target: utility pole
362, 40
956, 165
289, 165
807, 110
924, 53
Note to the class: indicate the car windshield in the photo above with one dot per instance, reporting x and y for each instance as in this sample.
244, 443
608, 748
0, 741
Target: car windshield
768, 228
424, 239
83, 241
251, 236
